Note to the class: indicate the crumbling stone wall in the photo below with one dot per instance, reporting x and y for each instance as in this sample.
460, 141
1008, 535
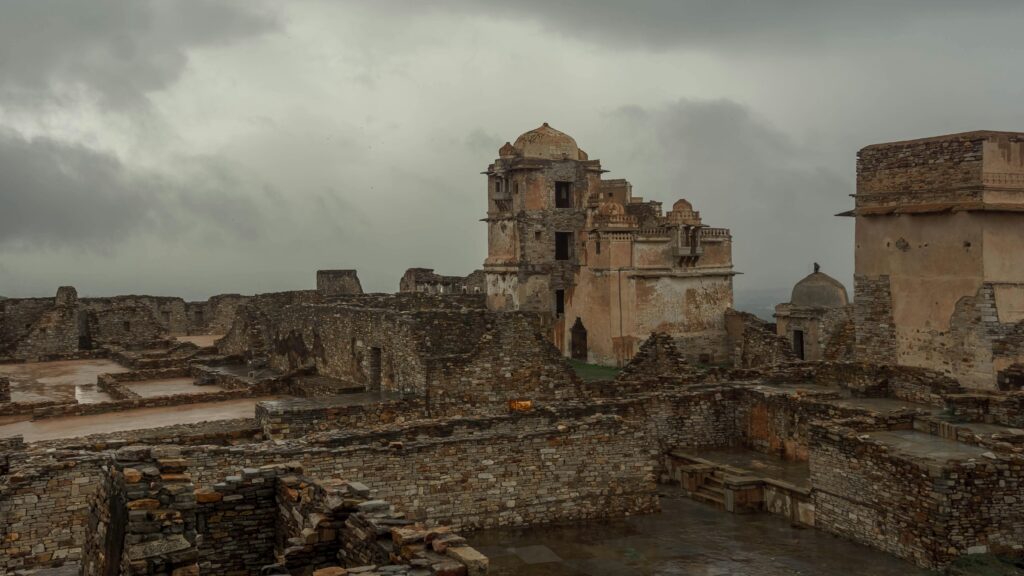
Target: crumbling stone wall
214, 316
512, 360
426, 281
519, 473
754, 341
657, 356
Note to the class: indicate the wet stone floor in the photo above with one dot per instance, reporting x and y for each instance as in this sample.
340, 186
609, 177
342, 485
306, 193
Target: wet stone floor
686, 539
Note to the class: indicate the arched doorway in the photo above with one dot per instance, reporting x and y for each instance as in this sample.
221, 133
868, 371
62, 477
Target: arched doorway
579, 341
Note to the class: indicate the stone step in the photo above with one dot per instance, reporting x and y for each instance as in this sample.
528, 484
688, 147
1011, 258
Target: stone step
709, 497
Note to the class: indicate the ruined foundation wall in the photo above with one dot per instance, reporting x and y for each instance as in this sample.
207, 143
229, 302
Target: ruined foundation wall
511, 470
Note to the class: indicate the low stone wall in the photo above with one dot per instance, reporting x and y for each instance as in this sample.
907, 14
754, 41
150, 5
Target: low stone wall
1006, 409
475, 473
212, 433
294, 418
928, 512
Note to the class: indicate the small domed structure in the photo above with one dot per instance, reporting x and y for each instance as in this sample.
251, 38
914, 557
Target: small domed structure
682, 205
547, 143
819, 290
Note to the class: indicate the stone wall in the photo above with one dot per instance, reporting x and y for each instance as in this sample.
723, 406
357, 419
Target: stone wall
875, 328
151, 518
754, 342
236, 521
475, 473
926, 511
5, 389
841, 344
44, 505
426, 281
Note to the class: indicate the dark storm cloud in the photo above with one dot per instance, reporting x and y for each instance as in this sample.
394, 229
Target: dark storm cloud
745, 175
718, 24
58, 195
119, 49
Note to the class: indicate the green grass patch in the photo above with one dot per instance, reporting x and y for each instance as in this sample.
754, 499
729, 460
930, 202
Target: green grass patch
590, 372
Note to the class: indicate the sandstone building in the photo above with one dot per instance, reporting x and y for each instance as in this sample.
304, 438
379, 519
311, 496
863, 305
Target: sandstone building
608, 267
939, 280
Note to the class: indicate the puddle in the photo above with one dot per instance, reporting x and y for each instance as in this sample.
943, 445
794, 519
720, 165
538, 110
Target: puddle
201, 340
139, 419
686, 538
63, 380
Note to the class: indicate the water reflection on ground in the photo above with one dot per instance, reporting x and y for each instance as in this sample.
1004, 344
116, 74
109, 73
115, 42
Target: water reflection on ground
687, 538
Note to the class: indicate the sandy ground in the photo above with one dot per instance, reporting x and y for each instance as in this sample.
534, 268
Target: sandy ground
201, 340
142, 418
64, 380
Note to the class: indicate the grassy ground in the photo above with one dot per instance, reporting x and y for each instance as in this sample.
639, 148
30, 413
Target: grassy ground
589, 372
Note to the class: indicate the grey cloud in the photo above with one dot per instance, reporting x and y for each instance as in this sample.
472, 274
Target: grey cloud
745, 175
119, 49
720, 24
59, 195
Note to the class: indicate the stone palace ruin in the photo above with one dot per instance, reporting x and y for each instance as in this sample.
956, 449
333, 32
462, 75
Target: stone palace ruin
330, 431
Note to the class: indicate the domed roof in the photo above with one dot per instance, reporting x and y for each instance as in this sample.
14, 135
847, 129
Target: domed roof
682, 205
819, 290
548, 143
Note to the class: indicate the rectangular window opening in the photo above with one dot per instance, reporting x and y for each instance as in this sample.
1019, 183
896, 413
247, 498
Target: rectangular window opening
127, 326
563, 245
559, 302
563, 194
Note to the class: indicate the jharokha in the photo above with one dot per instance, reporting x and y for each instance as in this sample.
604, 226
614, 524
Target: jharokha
329, 431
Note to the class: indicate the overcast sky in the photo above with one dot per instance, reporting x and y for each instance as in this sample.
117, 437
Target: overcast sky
197, 147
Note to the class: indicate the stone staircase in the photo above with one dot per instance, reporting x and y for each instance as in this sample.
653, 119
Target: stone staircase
711, 489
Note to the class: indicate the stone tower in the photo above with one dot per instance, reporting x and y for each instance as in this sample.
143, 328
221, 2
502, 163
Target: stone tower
939, 280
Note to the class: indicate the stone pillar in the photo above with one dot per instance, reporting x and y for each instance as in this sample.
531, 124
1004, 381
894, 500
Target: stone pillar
338, 282
66, 296
5, 390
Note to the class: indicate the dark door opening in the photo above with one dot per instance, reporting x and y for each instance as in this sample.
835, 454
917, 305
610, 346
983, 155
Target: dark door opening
563, 194
579, 341
375, 368
798, 343
559, 302
563, 245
